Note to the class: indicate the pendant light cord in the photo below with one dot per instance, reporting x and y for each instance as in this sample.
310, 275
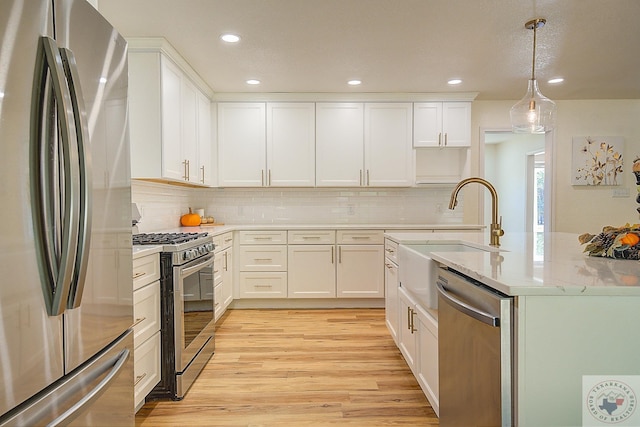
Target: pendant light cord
533, 65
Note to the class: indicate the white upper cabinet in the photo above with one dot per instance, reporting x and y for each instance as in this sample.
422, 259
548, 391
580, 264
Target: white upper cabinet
189, 131
205, 160
364, 145
172, 162
266, 145
291, 144
339, 144
388, 153
170, 139
442, 124
242, 153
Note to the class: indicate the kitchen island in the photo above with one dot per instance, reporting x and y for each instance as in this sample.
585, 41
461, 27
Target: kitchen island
576, 322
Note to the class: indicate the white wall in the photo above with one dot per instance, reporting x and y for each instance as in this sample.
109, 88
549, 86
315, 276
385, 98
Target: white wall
576, 209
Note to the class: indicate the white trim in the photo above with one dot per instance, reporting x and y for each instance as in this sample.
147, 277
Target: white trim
342, 97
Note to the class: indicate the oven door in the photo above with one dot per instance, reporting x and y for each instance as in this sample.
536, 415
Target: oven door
193, 309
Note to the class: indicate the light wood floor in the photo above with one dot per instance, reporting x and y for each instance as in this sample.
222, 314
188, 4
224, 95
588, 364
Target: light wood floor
300, 368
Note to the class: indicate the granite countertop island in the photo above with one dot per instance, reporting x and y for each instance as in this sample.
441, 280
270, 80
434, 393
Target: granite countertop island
533, 264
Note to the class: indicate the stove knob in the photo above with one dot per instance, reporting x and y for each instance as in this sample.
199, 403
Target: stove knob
210, 247
202, 250
186, 255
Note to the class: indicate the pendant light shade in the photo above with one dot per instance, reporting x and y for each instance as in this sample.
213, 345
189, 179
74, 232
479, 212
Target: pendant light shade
535, 113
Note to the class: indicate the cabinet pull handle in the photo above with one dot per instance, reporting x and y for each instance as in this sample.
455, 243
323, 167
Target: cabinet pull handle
368, 181
269, 177
446, 138
361, 177
389, 266
360, 237
228, 240
263, 286
226, 267
339, 254
413, 326
138, 321
262, 177
263, 259
139, 378
202, 169
310, 237
409, 318
139, 274
389, 250
440, 138
262, 238
332, 249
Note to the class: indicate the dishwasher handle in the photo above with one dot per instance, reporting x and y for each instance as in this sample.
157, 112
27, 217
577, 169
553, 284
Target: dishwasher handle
467, 309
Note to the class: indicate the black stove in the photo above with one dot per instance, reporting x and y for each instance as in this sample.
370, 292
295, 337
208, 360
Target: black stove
180, 247
165, 238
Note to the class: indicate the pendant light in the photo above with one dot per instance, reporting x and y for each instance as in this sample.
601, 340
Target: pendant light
535, 113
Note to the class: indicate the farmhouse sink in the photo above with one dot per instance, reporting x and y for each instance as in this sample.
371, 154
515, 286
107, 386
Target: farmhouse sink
418, 272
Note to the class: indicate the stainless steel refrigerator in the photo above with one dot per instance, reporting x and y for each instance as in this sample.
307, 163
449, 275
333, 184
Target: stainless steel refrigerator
66, 308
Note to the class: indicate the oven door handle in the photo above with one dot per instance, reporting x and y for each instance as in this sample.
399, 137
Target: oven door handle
189, 270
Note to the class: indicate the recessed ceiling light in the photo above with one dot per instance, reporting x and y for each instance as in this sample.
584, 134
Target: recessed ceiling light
1, 94
454, 81
354, 82
556, 80
230, 38
253, 82
103, 80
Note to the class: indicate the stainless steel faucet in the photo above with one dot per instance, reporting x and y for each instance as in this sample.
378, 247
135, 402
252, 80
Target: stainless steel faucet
496, 223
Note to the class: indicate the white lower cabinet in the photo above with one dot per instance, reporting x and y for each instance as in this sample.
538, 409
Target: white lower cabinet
312, 267
262, 264
427, 357
391, 284
222, 273
407, 330
359, 268
146, 327
312, 272
418, 343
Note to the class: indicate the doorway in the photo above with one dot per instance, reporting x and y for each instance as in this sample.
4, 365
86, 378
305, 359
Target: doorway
515, 164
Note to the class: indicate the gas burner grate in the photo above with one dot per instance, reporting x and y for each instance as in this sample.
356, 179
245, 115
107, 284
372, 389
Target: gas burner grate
165, 238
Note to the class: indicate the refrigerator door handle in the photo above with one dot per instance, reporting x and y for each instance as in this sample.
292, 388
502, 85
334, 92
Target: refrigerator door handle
68, 416
56, 230
84, 154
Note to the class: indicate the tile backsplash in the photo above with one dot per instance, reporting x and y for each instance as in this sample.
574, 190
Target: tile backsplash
161, 205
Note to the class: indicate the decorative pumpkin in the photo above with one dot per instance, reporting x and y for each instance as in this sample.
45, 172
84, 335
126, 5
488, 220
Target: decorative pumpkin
190, 220
630, 239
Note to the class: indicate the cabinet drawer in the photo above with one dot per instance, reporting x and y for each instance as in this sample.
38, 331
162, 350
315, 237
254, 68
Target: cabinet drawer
263, 237
391, 250
146, 312
146, 270
263, 258
223, 241
364, 237
263, 285
146, 368
312, 237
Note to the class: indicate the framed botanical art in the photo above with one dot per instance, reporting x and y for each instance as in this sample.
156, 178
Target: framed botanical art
597, 160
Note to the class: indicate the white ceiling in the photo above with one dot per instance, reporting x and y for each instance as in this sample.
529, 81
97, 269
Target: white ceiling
399, 45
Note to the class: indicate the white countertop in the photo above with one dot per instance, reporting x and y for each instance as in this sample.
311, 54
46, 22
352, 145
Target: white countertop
554, 265
142, 251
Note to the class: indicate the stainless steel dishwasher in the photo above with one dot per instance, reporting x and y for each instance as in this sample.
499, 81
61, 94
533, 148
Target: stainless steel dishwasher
475, 352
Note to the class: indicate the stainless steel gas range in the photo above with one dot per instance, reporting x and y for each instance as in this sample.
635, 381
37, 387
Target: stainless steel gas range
187, 303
